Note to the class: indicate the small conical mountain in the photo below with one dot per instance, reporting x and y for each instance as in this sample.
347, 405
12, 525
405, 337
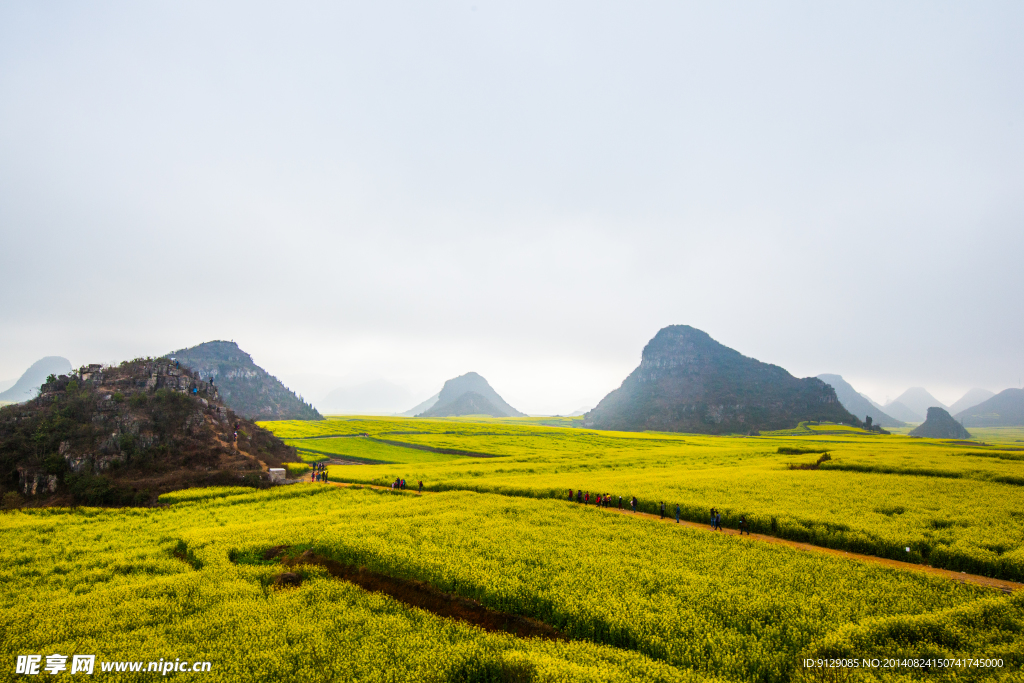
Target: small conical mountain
1005, 409
912, 405
245, 387
970, 399
453, 399
27, 386
688, 382
941, 425
856, 403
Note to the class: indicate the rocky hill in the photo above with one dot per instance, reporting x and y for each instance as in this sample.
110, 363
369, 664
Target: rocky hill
856, 403
1005, 409
469, 403
940, 425
27, 386
448, 400
123, 435
246, 388
688, 382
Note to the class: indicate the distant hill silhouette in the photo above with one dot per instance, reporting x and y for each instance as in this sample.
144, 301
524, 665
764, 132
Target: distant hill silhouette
688, 382
901, 412
27, 386
1005, 409
422, 407
469, 403
580, 411
940, 425
912, 405
246, 388
969, 400
448, 399
856, 403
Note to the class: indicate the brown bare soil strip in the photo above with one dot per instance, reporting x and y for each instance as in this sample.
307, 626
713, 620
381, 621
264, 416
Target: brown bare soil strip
424, 596
998, 584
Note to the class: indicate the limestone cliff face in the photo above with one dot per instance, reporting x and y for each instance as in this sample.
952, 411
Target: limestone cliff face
246, 388
688, 382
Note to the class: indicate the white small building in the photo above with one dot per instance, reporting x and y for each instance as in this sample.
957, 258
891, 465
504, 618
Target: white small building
277, 473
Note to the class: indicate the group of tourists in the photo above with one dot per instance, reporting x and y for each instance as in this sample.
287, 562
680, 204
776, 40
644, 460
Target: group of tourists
399, 485
606, 500
716, 522
319, 472
661, 508
601, 500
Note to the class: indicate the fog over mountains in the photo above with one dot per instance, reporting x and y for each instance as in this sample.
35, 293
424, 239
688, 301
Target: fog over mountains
26, 387
858, 404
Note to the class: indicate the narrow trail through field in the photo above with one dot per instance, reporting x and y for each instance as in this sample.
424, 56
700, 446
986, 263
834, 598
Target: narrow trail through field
998, 584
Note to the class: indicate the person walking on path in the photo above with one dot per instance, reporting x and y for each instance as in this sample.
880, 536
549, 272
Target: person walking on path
570, 495
632, 504
620, 502
718, 520
663, 509
421, 486
744, 525
677, 513
579, 496
712, 519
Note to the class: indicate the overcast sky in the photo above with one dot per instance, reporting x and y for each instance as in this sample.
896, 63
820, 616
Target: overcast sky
529, 190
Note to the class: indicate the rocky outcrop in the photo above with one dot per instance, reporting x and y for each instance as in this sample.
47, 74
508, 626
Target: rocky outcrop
688, 382
941, 425
246, 388
125, 434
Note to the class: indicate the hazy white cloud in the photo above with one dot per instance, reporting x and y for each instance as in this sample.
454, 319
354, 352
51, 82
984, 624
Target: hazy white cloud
525, 190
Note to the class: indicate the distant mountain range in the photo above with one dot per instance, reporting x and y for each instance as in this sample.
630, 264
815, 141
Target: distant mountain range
970, 399
857, 404
912, 405
469, 394
245, 387
27, 386
688, 382
1005, 409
